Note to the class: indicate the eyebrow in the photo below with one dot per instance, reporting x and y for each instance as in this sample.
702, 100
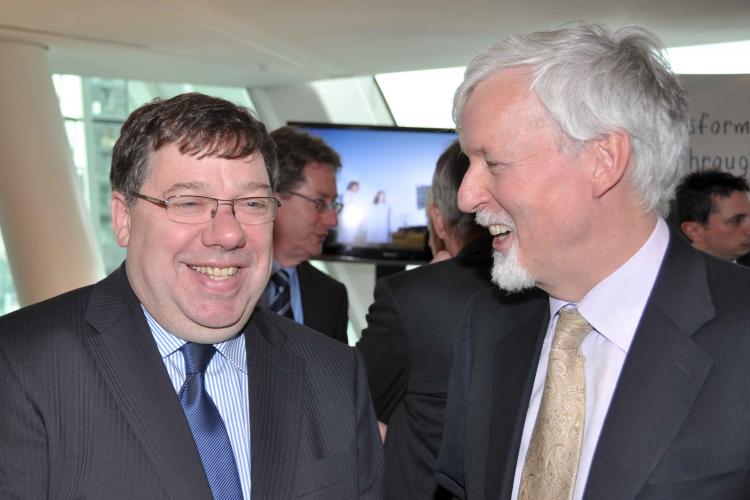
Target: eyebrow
201, 186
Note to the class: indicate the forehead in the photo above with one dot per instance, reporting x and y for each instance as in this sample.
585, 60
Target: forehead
736, 203
321, 177
502, 110
167, 166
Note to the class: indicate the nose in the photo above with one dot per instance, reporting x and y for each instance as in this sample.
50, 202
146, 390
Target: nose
223, 230
329, 219
471, 194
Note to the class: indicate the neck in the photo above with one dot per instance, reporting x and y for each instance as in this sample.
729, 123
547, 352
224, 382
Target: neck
612, 242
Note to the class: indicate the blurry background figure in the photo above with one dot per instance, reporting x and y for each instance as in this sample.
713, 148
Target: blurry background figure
411, 327
349, 229
379, 220
712, 209
307, 189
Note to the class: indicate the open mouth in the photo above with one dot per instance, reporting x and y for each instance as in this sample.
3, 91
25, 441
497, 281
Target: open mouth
216, 273
499, 229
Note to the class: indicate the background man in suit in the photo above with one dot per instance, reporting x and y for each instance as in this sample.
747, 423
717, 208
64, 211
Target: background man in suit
159, 381
627, 378
411, 331
712, 209
307, 187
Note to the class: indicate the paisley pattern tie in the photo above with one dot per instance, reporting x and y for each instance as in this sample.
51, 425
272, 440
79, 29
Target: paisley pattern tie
551, 465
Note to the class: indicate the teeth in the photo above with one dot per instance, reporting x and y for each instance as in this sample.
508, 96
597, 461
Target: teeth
216, 272
498, 229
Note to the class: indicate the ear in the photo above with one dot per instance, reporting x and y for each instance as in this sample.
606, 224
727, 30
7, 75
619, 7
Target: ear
611, 159
120, 211
694, 231
438, 223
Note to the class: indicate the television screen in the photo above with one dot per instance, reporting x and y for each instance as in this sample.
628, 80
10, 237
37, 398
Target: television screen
383, 183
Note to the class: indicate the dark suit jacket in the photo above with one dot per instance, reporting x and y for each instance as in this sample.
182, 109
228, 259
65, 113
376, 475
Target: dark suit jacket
408, 349
677, 426
88, 410
325, 304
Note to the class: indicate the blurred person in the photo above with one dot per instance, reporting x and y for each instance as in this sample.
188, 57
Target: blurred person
160, 380
349, 230
378, 220
712, 209
307, 188
623, 372
411, 330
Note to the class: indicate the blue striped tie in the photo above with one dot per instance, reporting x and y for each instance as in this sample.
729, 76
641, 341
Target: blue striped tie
282, 301
205, 422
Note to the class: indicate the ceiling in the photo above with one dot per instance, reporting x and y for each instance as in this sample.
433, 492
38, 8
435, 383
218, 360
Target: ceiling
264, 42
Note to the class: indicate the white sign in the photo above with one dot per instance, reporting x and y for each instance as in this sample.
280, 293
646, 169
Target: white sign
719, 122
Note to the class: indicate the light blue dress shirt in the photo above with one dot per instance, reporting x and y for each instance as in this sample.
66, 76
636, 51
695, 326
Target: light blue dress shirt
226, 383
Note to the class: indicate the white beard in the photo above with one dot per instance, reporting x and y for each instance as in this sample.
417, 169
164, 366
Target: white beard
507, 272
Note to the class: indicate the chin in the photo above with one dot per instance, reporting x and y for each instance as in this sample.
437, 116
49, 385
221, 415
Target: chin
508, 273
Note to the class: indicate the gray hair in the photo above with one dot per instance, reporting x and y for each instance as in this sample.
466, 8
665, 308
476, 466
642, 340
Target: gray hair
449, 172
592, 82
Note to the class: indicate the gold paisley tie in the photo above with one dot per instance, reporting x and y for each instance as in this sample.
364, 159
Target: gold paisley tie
551, 465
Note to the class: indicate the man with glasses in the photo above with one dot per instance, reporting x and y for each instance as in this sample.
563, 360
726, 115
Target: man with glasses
164, 380
307, 189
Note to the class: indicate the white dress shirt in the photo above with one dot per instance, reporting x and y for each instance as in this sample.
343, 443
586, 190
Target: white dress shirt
613, 308
226, 383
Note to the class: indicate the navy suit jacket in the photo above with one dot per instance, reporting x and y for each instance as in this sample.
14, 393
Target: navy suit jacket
677, 426
89, 410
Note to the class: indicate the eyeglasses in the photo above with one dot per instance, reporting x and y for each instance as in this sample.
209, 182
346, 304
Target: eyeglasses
200, 209
320, 204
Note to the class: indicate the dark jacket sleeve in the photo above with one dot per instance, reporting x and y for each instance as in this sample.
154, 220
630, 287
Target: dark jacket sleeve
23, 441
370, 457
383, 345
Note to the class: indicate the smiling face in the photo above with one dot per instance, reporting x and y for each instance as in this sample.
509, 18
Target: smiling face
199, 281
531, 194
299, 229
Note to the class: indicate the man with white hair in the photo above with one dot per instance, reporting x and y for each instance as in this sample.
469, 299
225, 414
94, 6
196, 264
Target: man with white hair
627, 378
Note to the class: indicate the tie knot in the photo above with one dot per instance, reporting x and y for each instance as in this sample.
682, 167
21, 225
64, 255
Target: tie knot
197, 357
571, 329
280, 280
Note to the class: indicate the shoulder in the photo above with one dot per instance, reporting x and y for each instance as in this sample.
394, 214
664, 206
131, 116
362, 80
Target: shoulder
312, 346
453, 276
35, 324
311, 274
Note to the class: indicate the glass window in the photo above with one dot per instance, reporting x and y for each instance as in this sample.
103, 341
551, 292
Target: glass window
8, 298
421, 98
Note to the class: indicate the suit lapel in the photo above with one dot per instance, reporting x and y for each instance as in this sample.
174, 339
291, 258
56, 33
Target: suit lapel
662, 375
276, 407
129, 361
509, 341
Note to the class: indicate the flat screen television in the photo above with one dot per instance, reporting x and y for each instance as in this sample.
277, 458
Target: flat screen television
383, 183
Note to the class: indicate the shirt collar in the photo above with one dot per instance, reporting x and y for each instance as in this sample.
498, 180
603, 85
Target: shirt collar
615, 305
233, 349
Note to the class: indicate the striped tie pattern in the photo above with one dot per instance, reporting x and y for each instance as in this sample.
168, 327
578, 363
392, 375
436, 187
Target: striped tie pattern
281, 303
207, 426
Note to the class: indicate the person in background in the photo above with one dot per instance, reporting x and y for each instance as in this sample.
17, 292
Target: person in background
712, 209
350, 230
378, 220
623, 373
163, 379
411, 328
307, 188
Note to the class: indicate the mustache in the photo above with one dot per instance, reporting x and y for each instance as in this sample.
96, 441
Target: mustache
486, 218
